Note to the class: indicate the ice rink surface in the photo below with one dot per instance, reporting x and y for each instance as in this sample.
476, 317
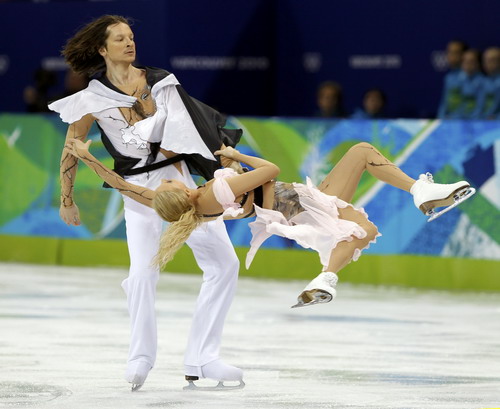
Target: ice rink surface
64, 339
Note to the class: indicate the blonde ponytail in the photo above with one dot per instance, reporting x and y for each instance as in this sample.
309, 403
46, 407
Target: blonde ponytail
174, 207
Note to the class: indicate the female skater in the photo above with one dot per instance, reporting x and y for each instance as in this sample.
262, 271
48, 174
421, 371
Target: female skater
319, 218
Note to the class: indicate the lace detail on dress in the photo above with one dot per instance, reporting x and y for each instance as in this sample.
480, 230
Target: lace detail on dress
314, 222
286, 200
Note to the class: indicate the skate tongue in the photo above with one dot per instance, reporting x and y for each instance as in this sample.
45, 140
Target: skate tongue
426, 177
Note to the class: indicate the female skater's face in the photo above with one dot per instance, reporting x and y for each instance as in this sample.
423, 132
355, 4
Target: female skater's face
120, 46
171, 184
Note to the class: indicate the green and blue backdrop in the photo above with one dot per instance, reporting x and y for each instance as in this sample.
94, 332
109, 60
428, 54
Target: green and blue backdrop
460, 250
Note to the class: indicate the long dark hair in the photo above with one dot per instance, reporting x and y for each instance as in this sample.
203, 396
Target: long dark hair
81, 51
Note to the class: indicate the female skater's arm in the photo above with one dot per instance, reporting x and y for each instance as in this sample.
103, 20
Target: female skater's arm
81, 151
263, 171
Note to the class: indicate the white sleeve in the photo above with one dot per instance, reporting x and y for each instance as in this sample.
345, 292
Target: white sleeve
95, 98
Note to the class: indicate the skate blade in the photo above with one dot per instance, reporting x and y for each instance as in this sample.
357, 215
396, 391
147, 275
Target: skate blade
460, 196
136, 387
219, 387
320, 297
428, 207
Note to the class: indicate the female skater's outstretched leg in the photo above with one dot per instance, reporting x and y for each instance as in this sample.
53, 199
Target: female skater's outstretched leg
344, 178
342, 182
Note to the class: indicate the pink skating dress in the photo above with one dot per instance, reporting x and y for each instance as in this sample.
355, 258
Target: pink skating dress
300, 212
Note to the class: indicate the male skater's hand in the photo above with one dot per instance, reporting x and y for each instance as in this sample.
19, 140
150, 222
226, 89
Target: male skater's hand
227, 159
229, 163
227, 152
70, 214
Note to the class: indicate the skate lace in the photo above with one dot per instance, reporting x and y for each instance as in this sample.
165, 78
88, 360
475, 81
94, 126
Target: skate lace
331, 279
427, 177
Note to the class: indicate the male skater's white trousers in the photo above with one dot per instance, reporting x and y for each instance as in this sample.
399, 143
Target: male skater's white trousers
214, 254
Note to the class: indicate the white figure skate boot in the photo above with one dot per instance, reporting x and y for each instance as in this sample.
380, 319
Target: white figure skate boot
319, 290
220, 372
428, 195
137, 373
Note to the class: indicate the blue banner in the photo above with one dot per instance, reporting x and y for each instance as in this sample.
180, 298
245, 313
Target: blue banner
30, 147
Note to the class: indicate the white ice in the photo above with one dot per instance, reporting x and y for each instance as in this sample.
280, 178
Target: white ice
64, 338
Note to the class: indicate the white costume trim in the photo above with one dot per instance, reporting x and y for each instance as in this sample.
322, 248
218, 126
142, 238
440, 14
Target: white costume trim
171, 125
223, 193
95, 98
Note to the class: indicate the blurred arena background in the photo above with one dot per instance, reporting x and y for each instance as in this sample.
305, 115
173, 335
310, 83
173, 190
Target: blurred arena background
261, 62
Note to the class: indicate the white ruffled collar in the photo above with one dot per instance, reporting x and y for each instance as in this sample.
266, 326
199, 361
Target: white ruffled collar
97, 87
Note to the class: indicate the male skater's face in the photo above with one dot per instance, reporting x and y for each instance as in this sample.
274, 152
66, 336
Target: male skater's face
120, 46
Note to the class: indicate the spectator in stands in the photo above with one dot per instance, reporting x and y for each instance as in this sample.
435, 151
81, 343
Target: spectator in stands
374, 102
36, 97
491, 67
329, 99
451, 97
472, 86
454, 53
73, 83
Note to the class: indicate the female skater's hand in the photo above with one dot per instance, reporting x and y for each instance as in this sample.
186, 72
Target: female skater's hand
227, 152
70, 214
76, 147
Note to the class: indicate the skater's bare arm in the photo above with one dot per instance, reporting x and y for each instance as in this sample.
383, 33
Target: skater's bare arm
263, 171
69, 164
140, 194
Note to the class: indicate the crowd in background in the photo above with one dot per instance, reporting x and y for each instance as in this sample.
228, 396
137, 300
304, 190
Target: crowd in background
330, 103
39, 95
471, 89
